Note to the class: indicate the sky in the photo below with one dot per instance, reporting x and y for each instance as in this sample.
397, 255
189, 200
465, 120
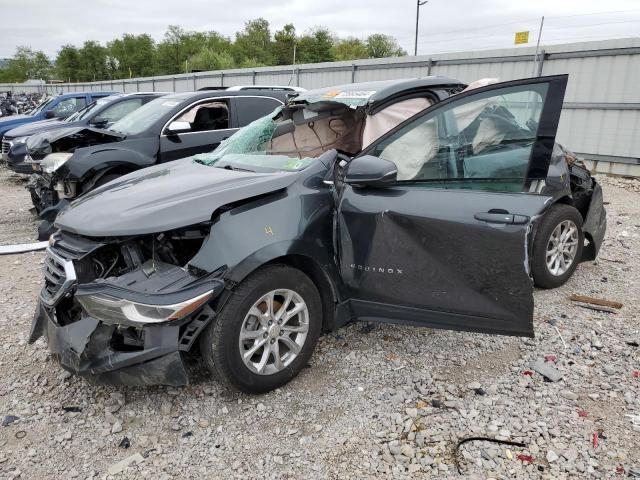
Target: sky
445, 25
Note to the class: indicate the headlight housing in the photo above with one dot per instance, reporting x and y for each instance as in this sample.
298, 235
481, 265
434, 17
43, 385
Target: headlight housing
113, 310
18, 140
54, 161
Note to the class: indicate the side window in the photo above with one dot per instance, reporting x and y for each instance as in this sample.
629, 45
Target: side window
115, 112
252, 108
207, 116
68, 106
482, 142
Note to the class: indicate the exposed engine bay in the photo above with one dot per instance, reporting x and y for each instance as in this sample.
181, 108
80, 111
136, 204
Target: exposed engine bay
68, 140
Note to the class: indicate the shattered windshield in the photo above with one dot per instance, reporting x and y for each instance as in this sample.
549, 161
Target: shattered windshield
252, 146
290, 138
144, 117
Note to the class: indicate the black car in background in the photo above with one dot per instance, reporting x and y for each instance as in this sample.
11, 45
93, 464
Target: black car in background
408, 201
75, 160
100, 114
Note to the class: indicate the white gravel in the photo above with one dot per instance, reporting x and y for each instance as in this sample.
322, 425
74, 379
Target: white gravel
392, 402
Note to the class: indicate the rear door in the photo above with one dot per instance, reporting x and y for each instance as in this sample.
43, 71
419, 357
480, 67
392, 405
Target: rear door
210, 122
447, 244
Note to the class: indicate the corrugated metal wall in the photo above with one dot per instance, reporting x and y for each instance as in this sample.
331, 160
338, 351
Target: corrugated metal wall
601, 117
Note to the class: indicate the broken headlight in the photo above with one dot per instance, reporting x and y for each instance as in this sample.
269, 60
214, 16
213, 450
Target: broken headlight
117, 310
54, 161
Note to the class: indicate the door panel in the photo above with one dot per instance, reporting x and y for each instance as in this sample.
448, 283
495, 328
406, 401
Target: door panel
424, 249
447, 245
183, 145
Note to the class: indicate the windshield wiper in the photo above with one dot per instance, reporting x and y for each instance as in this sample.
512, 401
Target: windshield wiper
240, 169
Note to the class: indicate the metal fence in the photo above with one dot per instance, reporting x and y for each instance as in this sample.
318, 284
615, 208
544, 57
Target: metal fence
600, 120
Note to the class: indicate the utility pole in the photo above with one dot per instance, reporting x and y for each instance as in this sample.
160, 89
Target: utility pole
293, 65
535, 58
419, 3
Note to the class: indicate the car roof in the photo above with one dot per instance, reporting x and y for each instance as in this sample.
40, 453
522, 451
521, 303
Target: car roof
287, 88
375, 92
134, 95
184, 96
67, 94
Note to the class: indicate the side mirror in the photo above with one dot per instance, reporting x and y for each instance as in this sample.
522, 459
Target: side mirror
49, 114
178, 127
371, 171
99, 122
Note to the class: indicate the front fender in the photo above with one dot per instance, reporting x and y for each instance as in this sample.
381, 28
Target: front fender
295, 221
86, 162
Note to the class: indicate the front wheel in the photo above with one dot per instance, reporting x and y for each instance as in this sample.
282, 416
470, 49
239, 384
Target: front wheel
266, 332
557, 246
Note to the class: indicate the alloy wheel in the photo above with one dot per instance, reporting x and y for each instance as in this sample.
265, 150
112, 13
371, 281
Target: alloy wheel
562, 247
274, 331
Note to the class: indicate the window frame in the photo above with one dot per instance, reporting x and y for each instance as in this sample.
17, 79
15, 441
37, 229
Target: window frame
540, 155
227, 100
238, 101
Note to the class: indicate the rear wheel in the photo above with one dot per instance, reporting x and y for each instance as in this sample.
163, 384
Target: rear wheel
557, 247
266, 332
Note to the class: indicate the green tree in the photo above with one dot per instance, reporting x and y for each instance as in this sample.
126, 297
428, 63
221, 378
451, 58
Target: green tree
170, 57
68, 63
316, 46
284, 44
380, 46
211, 59
27, 64
350, 49
132, 55
253, 44
93, 62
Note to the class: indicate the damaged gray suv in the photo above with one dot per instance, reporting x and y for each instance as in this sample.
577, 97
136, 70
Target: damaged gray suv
411, 201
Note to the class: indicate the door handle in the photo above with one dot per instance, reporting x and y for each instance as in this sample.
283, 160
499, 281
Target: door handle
503, 217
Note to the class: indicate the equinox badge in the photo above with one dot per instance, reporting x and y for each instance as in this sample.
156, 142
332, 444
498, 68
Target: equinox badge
369, 268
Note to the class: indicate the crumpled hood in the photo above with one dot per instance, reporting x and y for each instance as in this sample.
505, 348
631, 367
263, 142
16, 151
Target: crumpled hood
164, 197
39, 144
36, 127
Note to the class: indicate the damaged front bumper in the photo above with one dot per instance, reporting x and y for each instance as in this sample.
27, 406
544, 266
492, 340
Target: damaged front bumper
122, 352
19, 160
46, 201
100, 352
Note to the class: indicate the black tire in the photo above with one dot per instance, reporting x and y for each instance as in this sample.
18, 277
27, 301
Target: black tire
219, 343
542, 276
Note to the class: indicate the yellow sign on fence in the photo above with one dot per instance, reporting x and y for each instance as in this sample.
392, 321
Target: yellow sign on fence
522, 37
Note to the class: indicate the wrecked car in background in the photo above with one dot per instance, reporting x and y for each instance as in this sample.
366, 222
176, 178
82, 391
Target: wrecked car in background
340, 206
56, 107
78, 159
102, 113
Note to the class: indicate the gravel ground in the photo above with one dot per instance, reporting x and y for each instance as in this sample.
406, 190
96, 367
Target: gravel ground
387, 402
